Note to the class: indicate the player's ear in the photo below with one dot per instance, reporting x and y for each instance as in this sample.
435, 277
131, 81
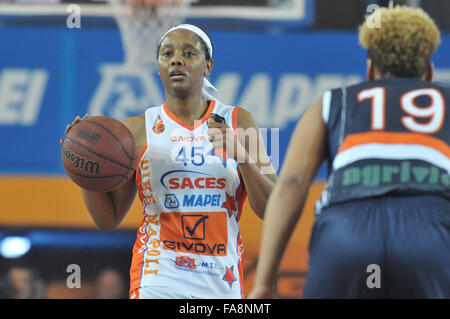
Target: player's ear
430, 72
209, 66
370, 71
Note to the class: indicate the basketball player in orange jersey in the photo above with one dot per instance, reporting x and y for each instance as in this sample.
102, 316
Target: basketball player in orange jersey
195, 171
382, 224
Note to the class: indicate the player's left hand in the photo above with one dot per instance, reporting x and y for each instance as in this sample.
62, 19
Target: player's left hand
223, 138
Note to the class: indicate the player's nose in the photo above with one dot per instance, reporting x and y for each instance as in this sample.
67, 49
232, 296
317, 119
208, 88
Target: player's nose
177, 59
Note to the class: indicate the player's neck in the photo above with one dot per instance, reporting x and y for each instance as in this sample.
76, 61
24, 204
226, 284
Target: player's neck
187, 109
390, 76
379, 76
386, 76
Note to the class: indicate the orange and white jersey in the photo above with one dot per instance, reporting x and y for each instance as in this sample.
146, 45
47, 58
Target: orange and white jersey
192, 197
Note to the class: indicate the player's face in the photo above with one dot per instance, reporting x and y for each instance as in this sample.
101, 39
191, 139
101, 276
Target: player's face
182, 63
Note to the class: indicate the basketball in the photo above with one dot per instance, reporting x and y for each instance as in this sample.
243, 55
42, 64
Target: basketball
99, 154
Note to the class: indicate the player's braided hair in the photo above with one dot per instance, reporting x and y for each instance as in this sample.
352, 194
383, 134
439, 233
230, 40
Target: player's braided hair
403, 43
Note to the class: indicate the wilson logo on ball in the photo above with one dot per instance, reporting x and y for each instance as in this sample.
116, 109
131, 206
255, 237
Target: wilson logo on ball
79, 162
92, 138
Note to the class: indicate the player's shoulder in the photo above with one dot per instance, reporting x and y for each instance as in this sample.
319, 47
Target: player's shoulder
402, 83
243, 117
221, 107
136, 124
240, 116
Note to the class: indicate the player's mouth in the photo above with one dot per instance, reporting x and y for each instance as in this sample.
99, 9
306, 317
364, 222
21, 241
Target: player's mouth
177, 75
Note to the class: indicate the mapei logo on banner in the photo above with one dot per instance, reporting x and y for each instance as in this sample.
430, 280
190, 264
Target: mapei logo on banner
21, 93
125, 92
274, 101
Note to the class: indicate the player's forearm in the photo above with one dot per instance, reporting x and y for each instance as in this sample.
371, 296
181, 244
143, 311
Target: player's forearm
258, 186
258, 182
283, 210
101, 207
108, 209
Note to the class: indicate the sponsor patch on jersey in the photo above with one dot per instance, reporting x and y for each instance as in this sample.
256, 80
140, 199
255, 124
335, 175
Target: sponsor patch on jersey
171, 201
185, 262
202, 200
202, 267
188, 138
145, 184
158, 126
202, 233
177, 179
392, 172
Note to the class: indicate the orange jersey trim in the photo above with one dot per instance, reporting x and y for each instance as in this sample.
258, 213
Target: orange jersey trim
197, 124
138, 174
395, 138
137, 260
134, 294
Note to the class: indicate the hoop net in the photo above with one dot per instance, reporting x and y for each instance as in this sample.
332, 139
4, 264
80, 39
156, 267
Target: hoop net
142, 23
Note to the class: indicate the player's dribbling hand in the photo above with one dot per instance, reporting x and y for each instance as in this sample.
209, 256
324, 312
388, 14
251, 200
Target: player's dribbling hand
68, 127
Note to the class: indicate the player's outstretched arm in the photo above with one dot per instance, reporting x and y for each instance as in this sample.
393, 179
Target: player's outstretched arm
304, 156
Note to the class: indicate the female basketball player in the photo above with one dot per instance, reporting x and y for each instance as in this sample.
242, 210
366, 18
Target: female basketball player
382, 226
194, 172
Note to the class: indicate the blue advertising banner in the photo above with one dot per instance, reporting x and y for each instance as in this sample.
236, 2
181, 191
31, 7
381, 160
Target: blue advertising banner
50, 74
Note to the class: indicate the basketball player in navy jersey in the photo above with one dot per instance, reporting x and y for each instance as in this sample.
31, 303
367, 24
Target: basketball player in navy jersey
382, 225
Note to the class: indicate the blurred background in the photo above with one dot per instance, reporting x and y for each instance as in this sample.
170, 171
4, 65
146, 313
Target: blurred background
273, 57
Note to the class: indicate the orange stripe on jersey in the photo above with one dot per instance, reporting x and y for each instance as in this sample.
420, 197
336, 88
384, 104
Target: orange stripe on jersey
134, 294
138, 174
137, 262
197, 124
395, 138
137, 259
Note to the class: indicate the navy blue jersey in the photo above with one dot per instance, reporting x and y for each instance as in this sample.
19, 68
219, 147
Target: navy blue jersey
387, 136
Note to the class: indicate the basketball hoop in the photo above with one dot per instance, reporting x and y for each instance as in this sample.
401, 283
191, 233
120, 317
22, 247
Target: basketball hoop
142, 23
